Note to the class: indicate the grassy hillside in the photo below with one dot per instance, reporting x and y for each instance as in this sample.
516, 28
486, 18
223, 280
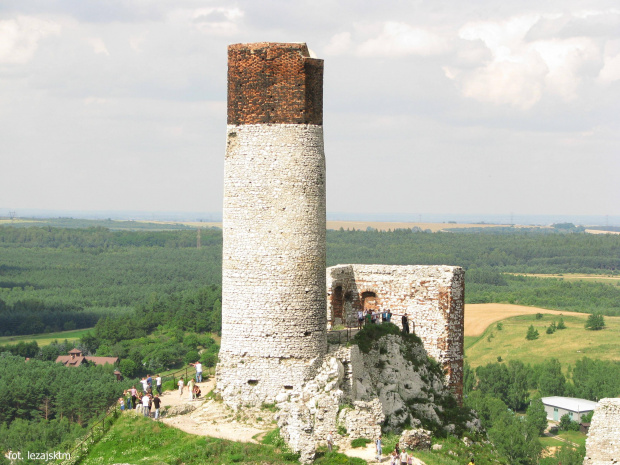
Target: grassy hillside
567, 345
135, 439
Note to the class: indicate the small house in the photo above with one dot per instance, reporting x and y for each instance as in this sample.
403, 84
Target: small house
75, 359
556, 407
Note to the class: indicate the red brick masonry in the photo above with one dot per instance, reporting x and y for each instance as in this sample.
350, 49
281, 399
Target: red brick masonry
274, 83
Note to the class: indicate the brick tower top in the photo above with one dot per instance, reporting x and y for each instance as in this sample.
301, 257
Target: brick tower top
274, 83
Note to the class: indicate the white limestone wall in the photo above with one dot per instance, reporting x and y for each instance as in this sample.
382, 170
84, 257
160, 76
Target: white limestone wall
432, 297
603, 442
273, 306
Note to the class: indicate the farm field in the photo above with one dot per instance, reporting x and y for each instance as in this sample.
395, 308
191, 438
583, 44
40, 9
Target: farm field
593, 278
363, 225
478, 317
45, 339
567, 345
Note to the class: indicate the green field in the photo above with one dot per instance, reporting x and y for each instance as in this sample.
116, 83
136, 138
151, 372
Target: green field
45, 339
567, 345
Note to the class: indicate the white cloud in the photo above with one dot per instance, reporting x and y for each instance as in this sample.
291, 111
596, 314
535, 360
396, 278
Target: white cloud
98, 45
339, 44
217, 20
524, 66
399, 39
19, 38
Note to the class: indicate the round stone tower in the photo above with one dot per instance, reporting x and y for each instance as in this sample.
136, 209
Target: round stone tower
273, 306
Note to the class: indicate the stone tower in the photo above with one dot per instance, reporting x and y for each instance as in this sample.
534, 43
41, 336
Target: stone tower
274, 297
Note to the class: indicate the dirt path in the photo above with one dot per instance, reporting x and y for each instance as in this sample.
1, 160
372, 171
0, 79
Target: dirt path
210, 417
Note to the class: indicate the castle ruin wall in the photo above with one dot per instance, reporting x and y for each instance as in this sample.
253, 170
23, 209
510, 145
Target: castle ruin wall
432, 298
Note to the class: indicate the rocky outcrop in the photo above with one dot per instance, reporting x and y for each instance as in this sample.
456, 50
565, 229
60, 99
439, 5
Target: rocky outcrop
415, 439
388, 383
603, 443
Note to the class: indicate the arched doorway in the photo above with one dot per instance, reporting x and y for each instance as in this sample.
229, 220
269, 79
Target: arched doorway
337, 303
369, 301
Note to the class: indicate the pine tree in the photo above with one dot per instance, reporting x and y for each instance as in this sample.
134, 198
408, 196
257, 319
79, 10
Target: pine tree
531, 333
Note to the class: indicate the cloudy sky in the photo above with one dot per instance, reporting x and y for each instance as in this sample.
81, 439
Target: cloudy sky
430, 106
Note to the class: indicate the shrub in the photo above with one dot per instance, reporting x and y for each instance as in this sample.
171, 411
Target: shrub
532, 333
360, 442
595, 322
561, 324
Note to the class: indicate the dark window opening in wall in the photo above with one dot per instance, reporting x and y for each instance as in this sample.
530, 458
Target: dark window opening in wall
252, 382
287, 387
337, 302
369, 301
307, 333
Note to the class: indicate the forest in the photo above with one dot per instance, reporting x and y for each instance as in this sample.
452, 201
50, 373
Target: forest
54, 279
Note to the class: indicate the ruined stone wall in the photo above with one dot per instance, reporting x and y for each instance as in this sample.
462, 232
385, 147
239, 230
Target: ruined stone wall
603, 442
432, 297
273, 298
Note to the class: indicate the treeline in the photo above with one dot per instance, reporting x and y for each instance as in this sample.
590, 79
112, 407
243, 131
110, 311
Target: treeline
485, 285
103, 238
518, 252
54, 279
512, 382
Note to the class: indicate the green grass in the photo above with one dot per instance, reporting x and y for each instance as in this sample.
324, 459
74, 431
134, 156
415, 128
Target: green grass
551, 442
135, 439
45, 339
574, 436
567, 345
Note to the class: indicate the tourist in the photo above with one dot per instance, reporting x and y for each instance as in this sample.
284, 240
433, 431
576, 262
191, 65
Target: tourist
405, 323
145, 385
156, 403
180, 384
394, 458
121, 402
473, 462
190, 388
389, 315
145, 404
360, 319
139, 403
158, 384
198, 366
378, 448
149, 381
330, 441
128, 403
404, 457
134, 395
197, 392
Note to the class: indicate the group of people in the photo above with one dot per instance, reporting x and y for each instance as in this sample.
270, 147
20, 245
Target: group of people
375, 317
192, 387
397, 457
142, 401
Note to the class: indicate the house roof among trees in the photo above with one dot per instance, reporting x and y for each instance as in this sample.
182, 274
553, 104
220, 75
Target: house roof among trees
570, 403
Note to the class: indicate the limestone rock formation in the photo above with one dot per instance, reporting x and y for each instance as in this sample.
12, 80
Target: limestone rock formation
603, 443
388, 382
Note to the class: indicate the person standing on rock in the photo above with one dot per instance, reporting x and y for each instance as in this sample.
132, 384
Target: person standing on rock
330, 441
379, 448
